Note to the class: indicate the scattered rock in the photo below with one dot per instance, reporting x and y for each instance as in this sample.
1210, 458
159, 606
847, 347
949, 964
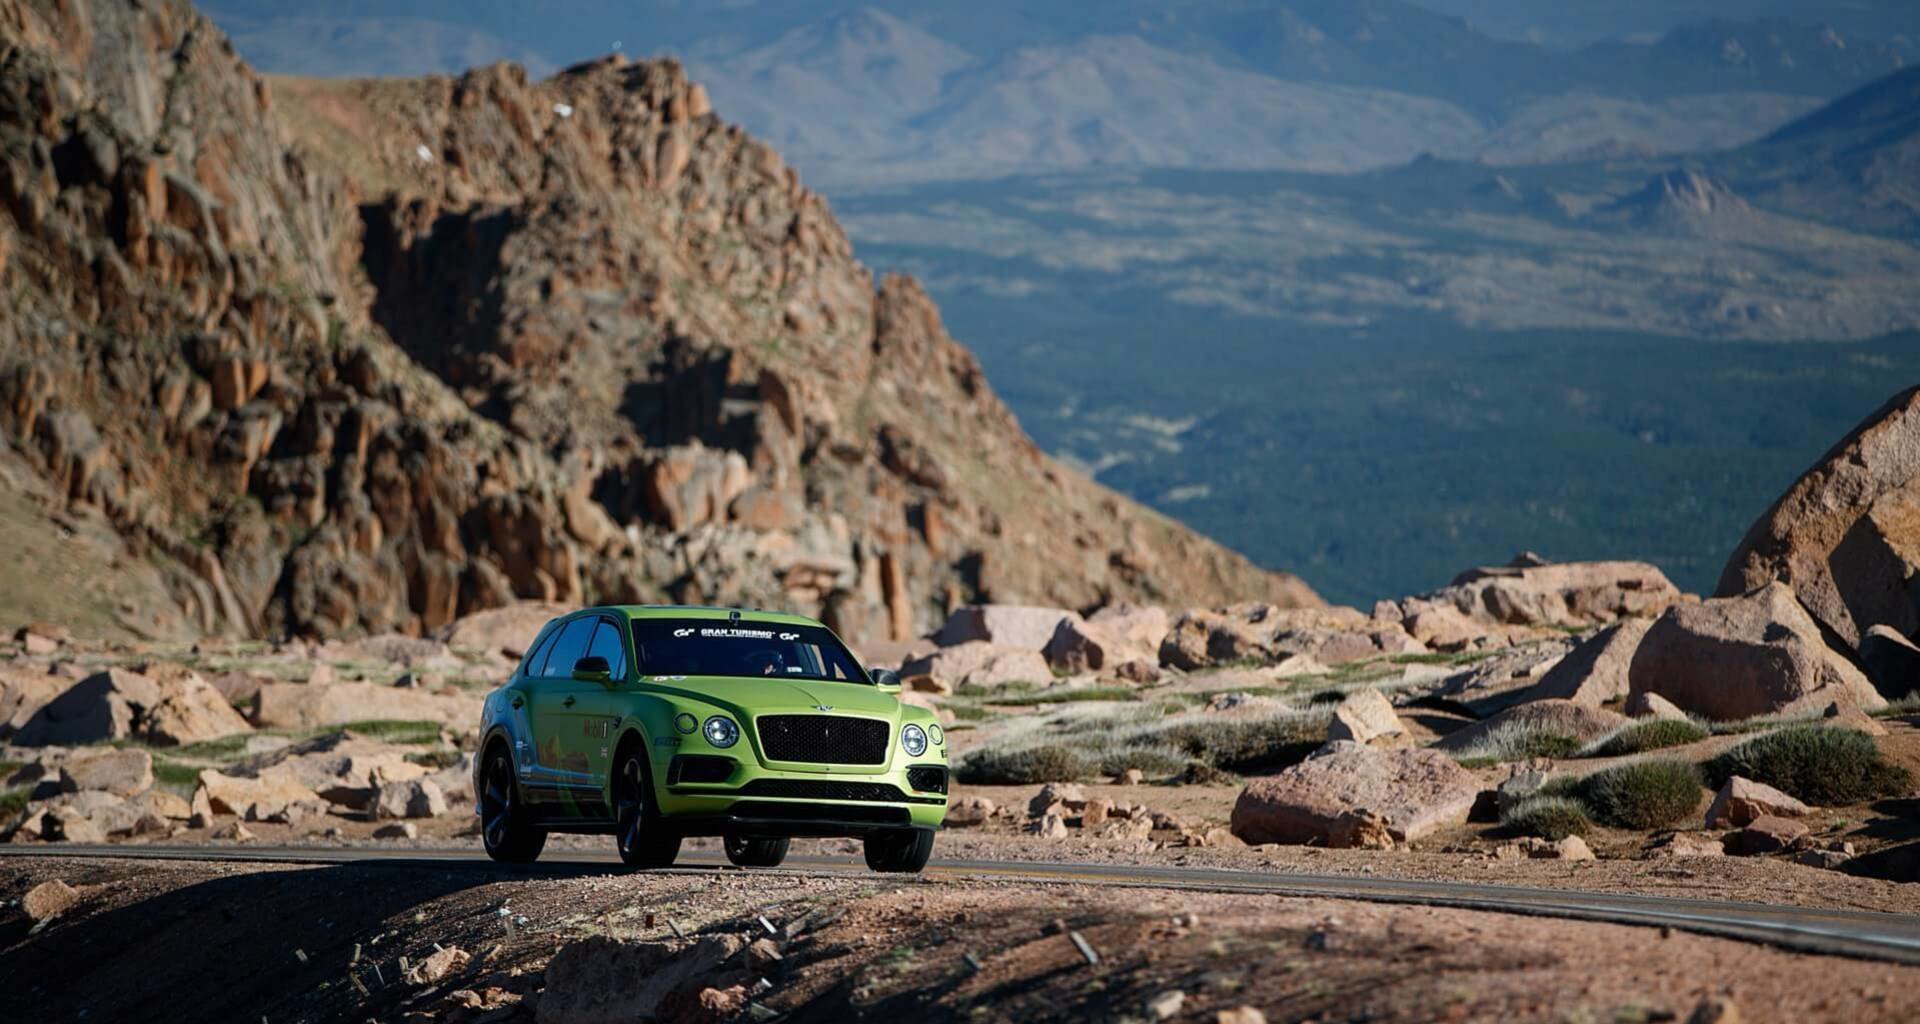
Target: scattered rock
1364, 716
1167, 1005
1050, 826
1740, 657
1846, 716
123, 773
1522, 784
1507, 678
969, 811
1139, 670
1361, 829
1763, 835
233, 831
599, 979
1742, 801
1066, 794
1715, 1010
255, 799
397, 830
413, 798
1828, 860
1596, 671
1687, 844
1256, 631
1554, 594
1652, 705
1569, 848
439, 965
164, 804
1131, 777
1240, 1015
1096, 812
1413, 791
49, 899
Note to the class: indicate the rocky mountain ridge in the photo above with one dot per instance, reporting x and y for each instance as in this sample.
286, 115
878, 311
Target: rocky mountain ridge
367, 356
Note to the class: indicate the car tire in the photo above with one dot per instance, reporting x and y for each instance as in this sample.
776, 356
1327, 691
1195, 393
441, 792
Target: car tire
756, 853
504, 830
903, 851
640, 832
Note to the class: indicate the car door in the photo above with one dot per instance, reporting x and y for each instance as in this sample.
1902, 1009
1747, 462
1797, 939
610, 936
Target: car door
560, 765
598, 706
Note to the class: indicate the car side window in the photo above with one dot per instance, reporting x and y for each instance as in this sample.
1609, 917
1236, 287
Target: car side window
568, 648
606, 644
538, 658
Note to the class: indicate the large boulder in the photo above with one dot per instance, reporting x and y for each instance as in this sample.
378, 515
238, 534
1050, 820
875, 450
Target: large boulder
1846, 536
1739, 657
1364, 716
507, 630
270, 795
191, 710
1413, 791
23, 692
124, 773
1558, 717
1596, 671
414, 798
306, 706
1742, 801
1534, 594
342, 767
975, 663
104, 706
1004, 624
1106, 641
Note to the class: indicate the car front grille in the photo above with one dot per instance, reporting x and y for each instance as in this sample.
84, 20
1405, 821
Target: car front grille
824, 739
823, 789
927, 778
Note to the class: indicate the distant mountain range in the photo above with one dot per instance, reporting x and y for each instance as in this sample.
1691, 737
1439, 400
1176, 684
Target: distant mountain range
915, 90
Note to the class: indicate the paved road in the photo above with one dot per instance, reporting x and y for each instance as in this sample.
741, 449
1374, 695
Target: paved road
1855, 933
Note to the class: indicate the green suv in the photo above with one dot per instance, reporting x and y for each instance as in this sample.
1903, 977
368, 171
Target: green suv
657, 723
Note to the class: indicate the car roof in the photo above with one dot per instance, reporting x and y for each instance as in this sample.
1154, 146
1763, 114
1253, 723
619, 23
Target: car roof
682, 611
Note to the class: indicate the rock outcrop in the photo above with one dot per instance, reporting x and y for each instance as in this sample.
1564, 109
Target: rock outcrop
1490, 603
340, 357
1846, 535
1760, 653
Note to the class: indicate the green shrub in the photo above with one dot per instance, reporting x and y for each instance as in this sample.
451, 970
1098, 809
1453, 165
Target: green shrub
12, 802
1519, 742
1066, 695
1153, 761
394, 730
1549, 817
1244, 743
1642, 795
970, 713
1649, 735
1045, 762
1825, 766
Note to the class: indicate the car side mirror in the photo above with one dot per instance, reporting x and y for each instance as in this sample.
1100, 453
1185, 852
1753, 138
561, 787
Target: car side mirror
886, 679
593, 669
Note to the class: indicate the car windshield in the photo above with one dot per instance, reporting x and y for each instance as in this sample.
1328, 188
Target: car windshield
710, 647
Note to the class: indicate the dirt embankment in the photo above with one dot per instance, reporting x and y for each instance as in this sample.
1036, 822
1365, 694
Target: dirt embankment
223, 942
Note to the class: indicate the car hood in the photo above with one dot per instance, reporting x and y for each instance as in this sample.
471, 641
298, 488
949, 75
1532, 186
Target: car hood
746, 696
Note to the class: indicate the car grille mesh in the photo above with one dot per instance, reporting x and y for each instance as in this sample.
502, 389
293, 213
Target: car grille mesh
824, 739
823, 789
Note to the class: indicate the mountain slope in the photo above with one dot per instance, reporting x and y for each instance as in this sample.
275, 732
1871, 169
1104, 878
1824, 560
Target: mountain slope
468, 339
1855, 161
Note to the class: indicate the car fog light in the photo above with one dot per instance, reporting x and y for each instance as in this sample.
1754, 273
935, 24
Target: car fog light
938, 736
721, 732
914, 739
686, 723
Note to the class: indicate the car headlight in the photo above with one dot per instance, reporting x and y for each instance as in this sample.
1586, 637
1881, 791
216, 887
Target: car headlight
936, 734
914, 739
721, 732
